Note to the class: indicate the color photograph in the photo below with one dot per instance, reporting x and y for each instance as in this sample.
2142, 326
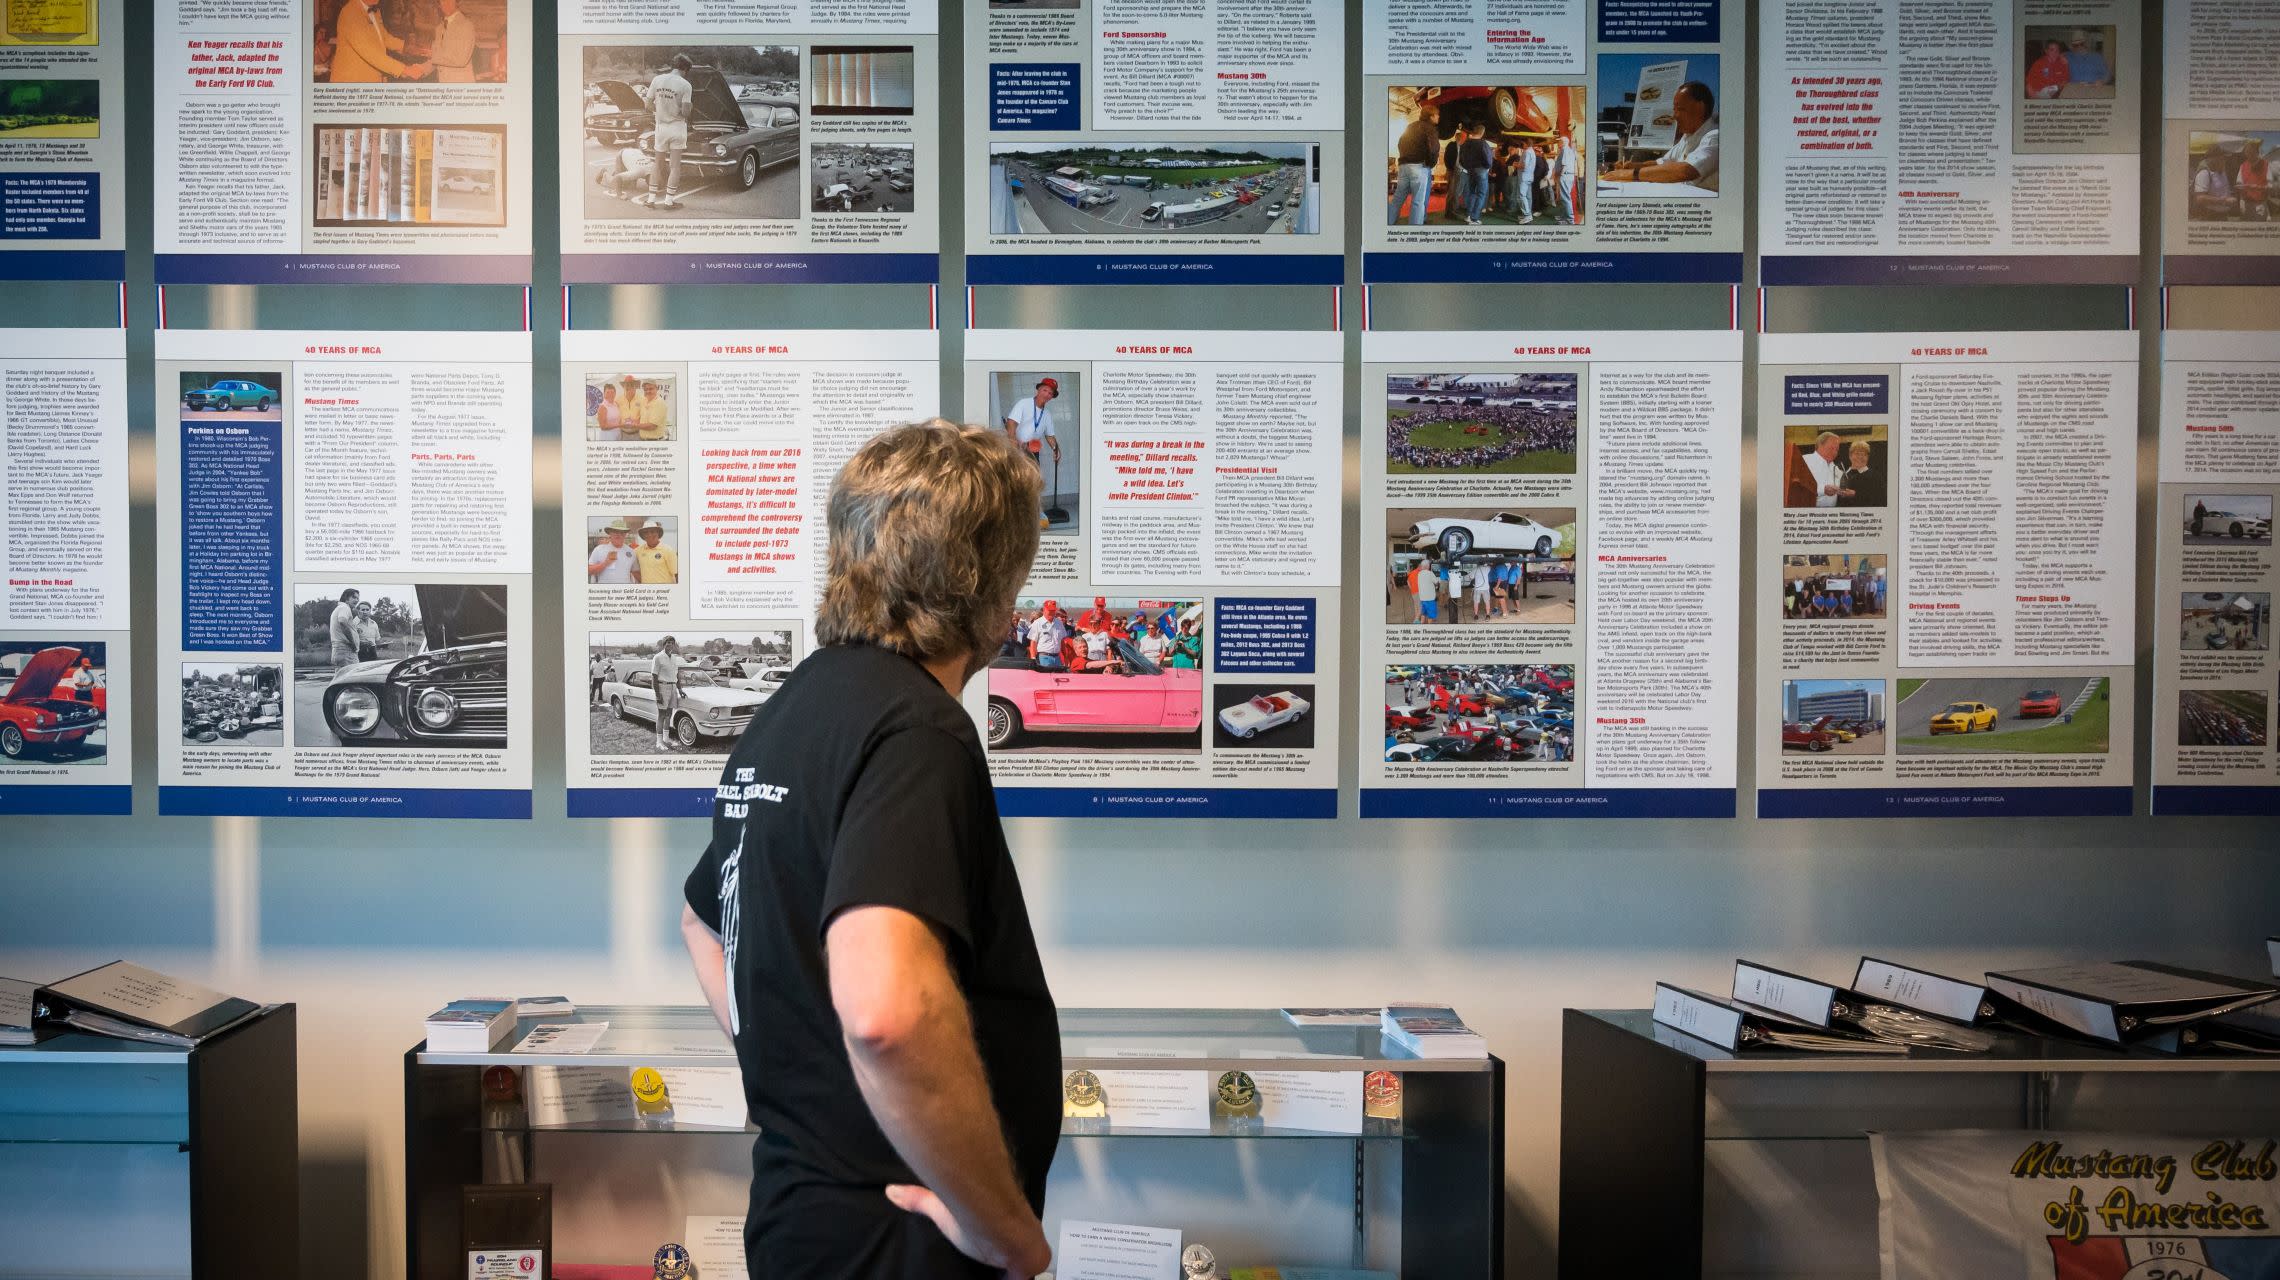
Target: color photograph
1153, 188
1118, 674
1480, 714
2228, 519
377, 42
2224, 621
54, 702
637, 405
1262, 717
2065, 63
1505, 156
1834, 587
233, 704
1658, 126
681, 691
636, 550
1833, 467
1467, 565
1043, 412
50, 109
398, 665
233, 395
2042, 715
730, 149
1480, 423
1833, 717
2223, 718
2229, 173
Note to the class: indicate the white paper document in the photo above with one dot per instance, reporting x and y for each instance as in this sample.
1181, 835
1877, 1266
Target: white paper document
1114, 1251
563, 1037
137, 992
716, 1245
1318, 1101
710, 1096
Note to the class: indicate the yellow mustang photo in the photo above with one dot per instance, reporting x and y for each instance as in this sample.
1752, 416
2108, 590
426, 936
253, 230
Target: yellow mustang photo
1964, 717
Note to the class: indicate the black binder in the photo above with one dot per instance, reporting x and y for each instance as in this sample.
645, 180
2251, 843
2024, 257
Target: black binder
73, 1005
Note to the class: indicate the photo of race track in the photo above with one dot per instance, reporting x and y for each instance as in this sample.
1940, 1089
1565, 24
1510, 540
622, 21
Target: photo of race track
2079, 728
2222, 718
1172, 189
1480, 423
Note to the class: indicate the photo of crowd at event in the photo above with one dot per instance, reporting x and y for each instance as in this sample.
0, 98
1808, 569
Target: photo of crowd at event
1480, 423
2225, 621
1523, 712
2230, 172
2222, 718
1123, 675
1471, 155
237, 702
1160, 633
1832, 586
2069, 62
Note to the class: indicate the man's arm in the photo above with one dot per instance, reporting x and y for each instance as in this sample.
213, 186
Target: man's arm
710, 961
911, 1042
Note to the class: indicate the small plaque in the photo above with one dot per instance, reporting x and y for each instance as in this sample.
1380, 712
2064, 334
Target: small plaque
1381, 1095
1081, 1097
1236, 1095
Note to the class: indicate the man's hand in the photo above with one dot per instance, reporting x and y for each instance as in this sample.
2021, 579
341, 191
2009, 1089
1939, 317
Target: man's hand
921, 1201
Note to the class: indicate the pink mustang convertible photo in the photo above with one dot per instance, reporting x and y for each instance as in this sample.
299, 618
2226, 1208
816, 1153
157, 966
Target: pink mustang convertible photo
1141, 698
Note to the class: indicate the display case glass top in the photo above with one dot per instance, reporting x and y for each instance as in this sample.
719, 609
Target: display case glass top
2013, 1053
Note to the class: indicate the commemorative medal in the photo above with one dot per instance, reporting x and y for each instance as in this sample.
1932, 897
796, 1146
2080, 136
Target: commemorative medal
1381, 1095
1081, 1096
652, 1105
671, 1263
1237, 1095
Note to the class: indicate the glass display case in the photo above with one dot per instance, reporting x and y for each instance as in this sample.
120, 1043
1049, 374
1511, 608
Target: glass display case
1408, 1180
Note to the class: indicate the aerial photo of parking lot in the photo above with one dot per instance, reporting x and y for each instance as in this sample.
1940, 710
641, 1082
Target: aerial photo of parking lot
855, 177
2059, 715
1083, 189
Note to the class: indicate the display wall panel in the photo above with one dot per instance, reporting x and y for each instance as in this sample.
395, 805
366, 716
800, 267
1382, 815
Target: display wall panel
1946, 598
342, 142
1613, 139
813, 151
63, 141
345, 583
2219, 222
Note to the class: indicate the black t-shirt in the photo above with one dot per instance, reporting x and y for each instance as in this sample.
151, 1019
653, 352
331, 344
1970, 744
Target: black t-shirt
861, 782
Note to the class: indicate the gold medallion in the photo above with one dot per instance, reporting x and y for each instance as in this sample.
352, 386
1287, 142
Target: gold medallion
1081, 1097
1237, 1094
1381, 1095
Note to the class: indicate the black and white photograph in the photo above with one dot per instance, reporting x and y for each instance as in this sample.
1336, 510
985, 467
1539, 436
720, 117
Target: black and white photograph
54, 706
679, 691
729, 149
638, 405
1042, 412
397, 664
1153, 188
863, 177
858, 81
233, 704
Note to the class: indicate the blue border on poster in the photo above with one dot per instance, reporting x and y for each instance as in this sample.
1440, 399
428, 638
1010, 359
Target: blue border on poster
1167, 802
63, 264
640, 802
2216, 802
751, 268
1228, 268
1451, 266
72, 799
1789, 269
341, 802
1548, 802
1945, 802
341, 268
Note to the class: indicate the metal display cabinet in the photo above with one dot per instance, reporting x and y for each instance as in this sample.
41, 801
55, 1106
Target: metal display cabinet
1420, 1196
125, 1158
1757, 1164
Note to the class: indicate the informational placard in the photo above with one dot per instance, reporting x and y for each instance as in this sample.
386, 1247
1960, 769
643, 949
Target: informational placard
799, 142
1551, 521
1176, 650
344, 590
1946, 581
2214, 670
1555, 141
63, 140
66, 682
696, 468
342, 142
1123, 142
1990, 143
2220, 142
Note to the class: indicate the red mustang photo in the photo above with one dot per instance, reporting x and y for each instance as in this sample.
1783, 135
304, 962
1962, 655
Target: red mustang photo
50, 702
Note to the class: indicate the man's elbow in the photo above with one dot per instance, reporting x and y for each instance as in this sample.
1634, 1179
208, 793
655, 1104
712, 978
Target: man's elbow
881, 1026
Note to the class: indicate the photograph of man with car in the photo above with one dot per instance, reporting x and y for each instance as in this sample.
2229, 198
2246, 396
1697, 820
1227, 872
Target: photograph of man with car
1468, 565
400, 665
1100, 675
700, 132
53, 703
694, 694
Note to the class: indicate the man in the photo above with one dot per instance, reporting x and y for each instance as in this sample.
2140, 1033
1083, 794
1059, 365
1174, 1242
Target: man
654, 563
1694, 157
341, 629
857, 924
2200, 513
669, 95
1413, 171
1423, 583
364, 50
665, 679
611, 562
1561, 164
651, 415
597, 670
1478, 157
1520, 175
1821, 465
2212, 189
1152, 643
1029, 425
2252, 182
1452, 163
1860, 486
2085, 65
1098, 618
453, 50
1046, 635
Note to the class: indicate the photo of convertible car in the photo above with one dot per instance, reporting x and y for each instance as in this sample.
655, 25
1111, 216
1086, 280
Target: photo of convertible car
33, 719
1454, 538
1964, 717
1135, 697
230, 393
453, 693
728, 135
1244, 713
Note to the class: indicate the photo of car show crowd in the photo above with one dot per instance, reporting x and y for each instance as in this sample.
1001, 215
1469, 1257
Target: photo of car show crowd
1480, 714
729, 143
632, 406
862, 177
1838, 586
1833, 717
374, 42
2223, 718
400, 665
2229, 173
1146, 188
1456, 566
233, 395
233, 704
2228, 519
1117, 674
1480, 423
1486, 155
684, 691
1833, 467
2049, 715
632, 550
1269, 717
2224, 621
54, 701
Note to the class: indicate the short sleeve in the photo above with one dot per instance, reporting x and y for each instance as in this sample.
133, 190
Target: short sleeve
702, 889
909, 834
